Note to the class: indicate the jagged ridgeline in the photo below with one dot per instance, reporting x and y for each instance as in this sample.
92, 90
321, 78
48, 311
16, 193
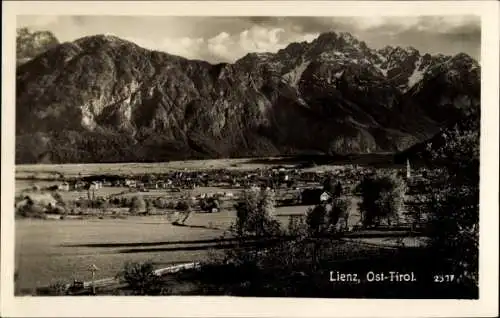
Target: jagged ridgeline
104, 99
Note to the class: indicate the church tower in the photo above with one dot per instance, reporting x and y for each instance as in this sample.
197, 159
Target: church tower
408, 169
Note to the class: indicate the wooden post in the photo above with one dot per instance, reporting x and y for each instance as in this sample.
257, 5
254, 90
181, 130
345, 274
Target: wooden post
93, 269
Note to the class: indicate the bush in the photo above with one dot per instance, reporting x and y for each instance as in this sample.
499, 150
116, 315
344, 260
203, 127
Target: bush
160, 203
137, 205
208, 204
59, 199
31, 210
171, 205
58, 288
149, 207
382, 197
57, 210
296, 226
182, 205
141, 278
100, 203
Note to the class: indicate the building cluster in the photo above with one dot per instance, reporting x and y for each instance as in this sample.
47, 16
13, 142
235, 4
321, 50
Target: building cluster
188, 180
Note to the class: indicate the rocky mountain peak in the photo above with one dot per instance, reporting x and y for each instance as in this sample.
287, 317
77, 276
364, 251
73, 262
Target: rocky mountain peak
464, 59
102, 98
412, 51
29, 44
386, 50
101, 41
348, 38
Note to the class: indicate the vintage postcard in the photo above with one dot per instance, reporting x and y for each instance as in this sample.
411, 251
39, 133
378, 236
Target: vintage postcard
274, 159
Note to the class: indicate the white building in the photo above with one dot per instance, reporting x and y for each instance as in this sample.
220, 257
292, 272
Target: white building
63, 186
325, 196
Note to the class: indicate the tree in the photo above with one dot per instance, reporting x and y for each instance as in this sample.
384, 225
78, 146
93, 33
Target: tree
338, 190
316, 220
185, 207
137, 205
149, 207
339, 209
323, 218
141, 278
255, 213
329, 185
382, 197
454, 202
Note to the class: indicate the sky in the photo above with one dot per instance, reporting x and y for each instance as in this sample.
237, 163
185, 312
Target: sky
225, 39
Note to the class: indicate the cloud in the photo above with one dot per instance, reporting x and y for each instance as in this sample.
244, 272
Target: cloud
225, 39
37, 21
229, 47
225, 46
186, 47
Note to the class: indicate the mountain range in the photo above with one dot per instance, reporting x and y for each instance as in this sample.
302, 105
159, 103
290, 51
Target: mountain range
104, 99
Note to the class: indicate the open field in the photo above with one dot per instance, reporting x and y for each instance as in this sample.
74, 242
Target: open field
73, 170
47, 250
320, 163
28, 184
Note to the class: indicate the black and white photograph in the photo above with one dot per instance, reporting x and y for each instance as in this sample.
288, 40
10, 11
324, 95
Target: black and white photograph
327, 156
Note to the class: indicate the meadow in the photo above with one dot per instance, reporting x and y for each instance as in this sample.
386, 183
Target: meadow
74, 170
47, 251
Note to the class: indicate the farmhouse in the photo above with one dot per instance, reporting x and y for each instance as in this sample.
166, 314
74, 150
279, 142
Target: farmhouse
325, 196
95, 185
130, 183
79, 185
63, 186
163, 185
152, 185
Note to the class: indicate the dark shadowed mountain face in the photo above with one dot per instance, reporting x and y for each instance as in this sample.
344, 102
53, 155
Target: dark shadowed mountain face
103, 99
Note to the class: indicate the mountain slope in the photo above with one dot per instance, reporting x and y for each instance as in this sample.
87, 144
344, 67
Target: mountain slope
30, 44
103, 99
